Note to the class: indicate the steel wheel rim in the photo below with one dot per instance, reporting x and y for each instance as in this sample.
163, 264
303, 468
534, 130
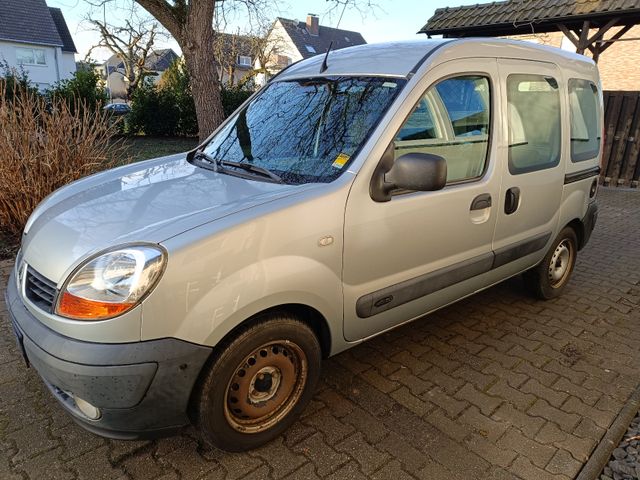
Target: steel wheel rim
560, 264
265, 386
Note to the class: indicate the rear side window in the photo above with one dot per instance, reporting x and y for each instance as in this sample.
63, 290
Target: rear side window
452, 120
533, 112
585, 120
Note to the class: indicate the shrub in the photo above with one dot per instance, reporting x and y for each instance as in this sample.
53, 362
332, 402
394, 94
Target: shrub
153, 111
45, 146
175, 81
14, 81
168, 107
83, 88
233, 97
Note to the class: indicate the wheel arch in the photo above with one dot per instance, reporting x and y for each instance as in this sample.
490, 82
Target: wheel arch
578, 227
305, 313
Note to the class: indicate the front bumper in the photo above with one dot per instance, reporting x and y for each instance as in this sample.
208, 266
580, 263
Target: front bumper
142, 389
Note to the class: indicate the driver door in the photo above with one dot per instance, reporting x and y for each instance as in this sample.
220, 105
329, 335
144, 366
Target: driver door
421, 250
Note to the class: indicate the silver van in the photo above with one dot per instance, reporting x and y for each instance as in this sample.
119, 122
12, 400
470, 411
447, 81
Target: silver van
354, 193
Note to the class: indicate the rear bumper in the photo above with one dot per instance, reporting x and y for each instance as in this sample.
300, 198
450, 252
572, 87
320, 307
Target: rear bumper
589, 223
142, 389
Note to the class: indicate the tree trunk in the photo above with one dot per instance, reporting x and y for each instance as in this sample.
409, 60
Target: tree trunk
191, 24
197, 46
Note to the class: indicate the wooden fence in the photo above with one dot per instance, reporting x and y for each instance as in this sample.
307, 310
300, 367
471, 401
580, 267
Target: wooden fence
621, 163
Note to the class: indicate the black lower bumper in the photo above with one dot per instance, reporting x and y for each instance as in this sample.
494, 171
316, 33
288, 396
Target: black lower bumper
142, 389
589, 223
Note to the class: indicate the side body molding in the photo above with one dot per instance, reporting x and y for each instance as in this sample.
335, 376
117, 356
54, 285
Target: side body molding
414, 288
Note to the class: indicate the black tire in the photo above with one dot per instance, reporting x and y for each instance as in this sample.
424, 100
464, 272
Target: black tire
268, 374
549, 278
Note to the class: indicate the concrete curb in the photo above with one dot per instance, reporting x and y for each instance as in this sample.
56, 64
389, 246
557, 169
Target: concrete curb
600, 456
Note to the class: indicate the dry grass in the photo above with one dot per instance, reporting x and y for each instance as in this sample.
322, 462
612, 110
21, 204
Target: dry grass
43, 151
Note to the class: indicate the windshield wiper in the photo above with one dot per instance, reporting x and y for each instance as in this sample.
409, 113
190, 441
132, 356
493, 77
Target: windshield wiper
247, 167
203, 156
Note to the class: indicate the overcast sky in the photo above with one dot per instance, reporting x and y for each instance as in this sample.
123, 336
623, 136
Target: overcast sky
392, 20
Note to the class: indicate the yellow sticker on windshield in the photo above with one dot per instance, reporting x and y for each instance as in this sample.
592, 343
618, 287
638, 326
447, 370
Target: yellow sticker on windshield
340, 160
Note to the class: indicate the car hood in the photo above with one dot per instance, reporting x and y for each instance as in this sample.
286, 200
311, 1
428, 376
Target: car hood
143, 202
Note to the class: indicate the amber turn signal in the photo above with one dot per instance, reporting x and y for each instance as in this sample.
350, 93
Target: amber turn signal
79, 308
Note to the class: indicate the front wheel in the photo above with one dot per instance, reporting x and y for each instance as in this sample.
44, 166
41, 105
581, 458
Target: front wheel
259, 384
549, 278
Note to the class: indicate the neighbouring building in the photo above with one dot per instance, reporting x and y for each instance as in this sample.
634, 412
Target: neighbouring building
35, 38
113, 73
291, 40
235, 56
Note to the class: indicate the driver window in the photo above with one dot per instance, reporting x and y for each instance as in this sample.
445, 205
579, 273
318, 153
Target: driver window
451, 120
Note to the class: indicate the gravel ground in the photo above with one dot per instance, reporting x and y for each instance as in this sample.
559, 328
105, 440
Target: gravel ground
625, 460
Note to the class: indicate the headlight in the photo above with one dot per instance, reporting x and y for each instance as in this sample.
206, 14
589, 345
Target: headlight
111, 283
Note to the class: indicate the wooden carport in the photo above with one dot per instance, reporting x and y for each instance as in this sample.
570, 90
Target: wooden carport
592, 26
584, 22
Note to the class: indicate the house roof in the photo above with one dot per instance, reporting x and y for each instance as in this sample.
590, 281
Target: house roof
63, 30
160, 60
528, 16
28, 21
319, 43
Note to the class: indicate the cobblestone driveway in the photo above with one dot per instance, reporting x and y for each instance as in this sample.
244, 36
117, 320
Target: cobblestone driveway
497, 386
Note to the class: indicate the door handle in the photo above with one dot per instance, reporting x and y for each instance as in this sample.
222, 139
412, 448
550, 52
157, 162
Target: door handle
481, 202
512, 200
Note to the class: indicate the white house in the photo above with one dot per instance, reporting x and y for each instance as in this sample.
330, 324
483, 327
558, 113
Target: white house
36, 39
290, 40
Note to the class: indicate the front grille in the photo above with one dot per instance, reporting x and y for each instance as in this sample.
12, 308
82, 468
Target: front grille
40, 290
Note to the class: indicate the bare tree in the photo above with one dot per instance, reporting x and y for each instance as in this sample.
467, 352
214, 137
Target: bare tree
131, 42
192, 23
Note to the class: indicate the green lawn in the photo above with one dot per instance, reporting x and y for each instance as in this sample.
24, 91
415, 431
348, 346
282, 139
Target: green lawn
144, 148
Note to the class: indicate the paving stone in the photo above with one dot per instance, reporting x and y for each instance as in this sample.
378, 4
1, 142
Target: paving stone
452, 406
496, 455
528, 424
325, 458
602, 418
487, 404
347, 472
405, 398
538, 453
588, 396
554, 397
281, 459
517, 397
487, 427
454, 429
368, 457
563, 463
566, 419
523, 467
47, 465
306, 472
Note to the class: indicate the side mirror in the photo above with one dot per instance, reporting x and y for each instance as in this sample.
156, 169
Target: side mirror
414, 171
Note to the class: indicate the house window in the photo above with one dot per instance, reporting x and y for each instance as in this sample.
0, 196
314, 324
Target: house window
310, 49
30, 56
243, 60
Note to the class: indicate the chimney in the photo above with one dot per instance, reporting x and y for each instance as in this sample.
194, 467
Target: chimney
313, 24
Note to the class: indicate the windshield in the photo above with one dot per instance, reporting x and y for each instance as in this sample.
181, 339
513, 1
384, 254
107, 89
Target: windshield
305, 130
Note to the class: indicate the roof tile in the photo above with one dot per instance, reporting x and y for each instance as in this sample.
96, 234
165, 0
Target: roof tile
28, 21
453, 20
